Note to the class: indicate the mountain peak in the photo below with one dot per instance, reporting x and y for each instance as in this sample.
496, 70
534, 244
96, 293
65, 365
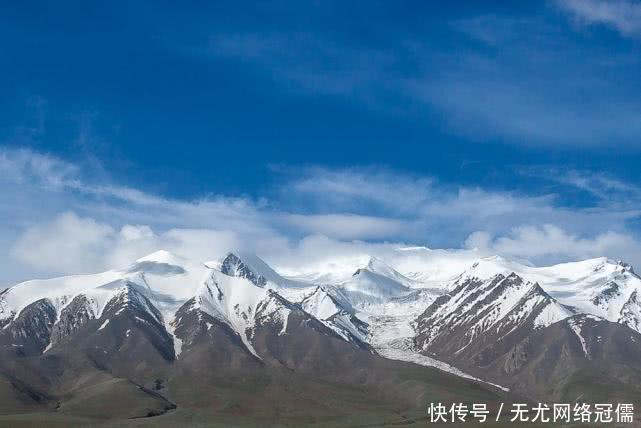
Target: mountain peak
627, 267
379, 267
233, 265
162, 256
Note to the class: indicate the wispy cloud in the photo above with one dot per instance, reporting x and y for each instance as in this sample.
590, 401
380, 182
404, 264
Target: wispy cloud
528, 81
347, 226
608, 192
525, 82
622, 15
606, 188
306, 61
373, 188
551, 243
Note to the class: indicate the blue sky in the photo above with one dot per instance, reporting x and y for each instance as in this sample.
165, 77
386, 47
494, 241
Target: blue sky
511, 126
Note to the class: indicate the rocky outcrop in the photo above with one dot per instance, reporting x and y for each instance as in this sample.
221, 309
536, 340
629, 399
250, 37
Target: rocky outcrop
232, 265
73, 317
31, 329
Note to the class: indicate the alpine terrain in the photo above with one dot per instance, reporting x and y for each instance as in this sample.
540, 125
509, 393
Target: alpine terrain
362, 341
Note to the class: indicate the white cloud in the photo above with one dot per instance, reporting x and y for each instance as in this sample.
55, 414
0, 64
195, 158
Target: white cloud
18, 165
622, 15
430, 211
347, 226
72, 244
479, 240
603, 187
538, 228
365, 185
551, 243
58, 222
65, 244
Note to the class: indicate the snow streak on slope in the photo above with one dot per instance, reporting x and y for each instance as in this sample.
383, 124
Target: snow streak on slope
576, 326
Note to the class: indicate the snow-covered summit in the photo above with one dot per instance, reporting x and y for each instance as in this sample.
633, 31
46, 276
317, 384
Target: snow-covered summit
236, 266
163, 256
250, 266
378, 266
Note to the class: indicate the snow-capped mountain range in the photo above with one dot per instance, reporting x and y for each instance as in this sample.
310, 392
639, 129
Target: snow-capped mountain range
457, 314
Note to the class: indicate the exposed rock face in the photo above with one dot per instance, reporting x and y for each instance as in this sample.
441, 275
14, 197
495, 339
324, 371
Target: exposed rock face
580, 353
6, 315
631, 312
204, 338
131, 325
516, 358
611, 290
31, 329
73, 317
232, 265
